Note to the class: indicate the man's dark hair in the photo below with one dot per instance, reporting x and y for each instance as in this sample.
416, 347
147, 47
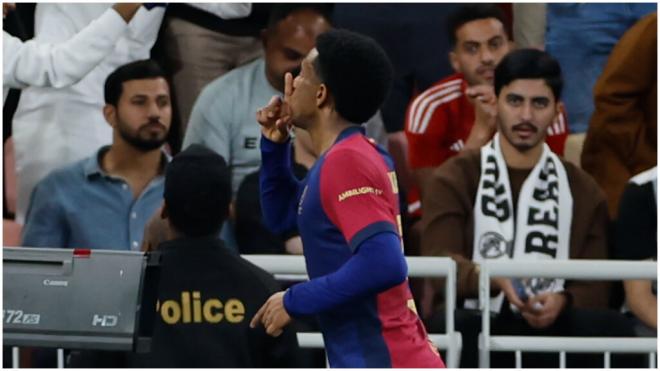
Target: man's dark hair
529, 64
138, 70
197, 191
473, 12
357, 72
280, 11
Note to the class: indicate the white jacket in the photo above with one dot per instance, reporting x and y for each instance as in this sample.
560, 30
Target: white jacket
53, 127
33, 63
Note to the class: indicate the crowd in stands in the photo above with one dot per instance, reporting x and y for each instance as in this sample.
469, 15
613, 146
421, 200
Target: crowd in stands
521, 132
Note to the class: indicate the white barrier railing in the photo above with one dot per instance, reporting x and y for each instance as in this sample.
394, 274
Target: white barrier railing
605, 270
283, 266
293, 268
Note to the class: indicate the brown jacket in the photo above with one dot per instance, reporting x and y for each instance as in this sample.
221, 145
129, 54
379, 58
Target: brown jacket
622, 136
448, 223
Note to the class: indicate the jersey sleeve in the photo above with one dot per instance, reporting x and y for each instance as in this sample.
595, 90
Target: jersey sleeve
358, 195
425, 129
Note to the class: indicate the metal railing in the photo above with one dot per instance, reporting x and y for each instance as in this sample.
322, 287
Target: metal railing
293, 267
605, 270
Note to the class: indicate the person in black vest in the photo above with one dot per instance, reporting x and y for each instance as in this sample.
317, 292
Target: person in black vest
207, 294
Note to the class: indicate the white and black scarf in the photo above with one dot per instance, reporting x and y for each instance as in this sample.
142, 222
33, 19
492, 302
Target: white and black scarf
542, 226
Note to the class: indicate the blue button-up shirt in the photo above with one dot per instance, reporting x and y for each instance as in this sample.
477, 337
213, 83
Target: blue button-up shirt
81, 206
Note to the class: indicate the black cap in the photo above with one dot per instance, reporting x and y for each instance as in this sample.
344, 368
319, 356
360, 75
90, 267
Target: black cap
197, 191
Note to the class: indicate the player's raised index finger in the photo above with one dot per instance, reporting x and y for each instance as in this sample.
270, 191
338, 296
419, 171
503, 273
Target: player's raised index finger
288, 85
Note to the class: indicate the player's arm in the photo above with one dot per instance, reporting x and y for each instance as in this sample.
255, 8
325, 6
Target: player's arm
358, 277
377, 265
279, 188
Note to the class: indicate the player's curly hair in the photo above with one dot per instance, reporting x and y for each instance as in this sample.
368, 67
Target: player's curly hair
356, 71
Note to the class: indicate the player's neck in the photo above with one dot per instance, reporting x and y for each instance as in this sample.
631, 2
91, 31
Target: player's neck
325, 133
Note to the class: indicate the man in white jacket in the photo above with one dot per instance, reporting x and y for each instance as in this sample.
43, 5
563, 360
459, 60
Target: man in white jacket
53, 127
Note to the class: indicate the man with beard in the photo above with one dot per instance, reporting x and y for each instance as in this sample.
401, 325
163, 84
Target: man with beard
514, 199
104, 201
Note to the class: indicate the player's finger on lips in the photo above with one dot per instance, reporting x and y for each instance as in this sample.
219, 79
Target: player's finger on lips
288, 84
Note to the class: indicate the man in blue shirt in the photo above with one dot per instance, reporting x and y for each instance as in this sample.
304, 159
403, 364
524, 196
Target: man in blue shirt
346, 210
104, 201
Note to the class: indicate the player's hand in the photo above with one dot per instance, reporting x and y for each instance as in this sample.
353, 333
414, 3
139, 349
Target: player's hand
506, 287
272, 315
275, 118
542, 310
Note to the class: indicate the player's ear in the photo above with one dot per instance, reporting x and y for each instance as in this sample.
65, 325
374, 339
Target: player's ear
321, 95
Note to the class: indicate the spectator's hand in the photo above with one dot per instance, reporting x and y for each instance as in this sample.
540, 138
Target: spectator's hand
507, 288
484, 100
542, 310
6, 8
275, 118
126, 10
272, 315
485, 105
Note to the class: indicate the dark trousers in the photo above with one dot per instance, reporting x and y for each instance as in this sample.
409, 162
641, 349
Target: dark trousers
572, 322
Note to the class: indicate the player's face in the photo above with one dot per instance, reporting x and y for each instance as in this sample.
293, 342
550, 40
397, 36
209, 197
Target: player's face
304, 101
143, 114
525, 109
289, 42
480, 46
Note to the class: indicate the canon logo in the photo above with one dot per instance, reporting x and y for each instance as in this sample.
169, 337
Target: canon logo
48, 282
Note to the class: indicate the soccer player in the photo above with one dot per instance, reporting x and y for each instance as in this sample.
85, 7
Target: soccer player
346, 210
